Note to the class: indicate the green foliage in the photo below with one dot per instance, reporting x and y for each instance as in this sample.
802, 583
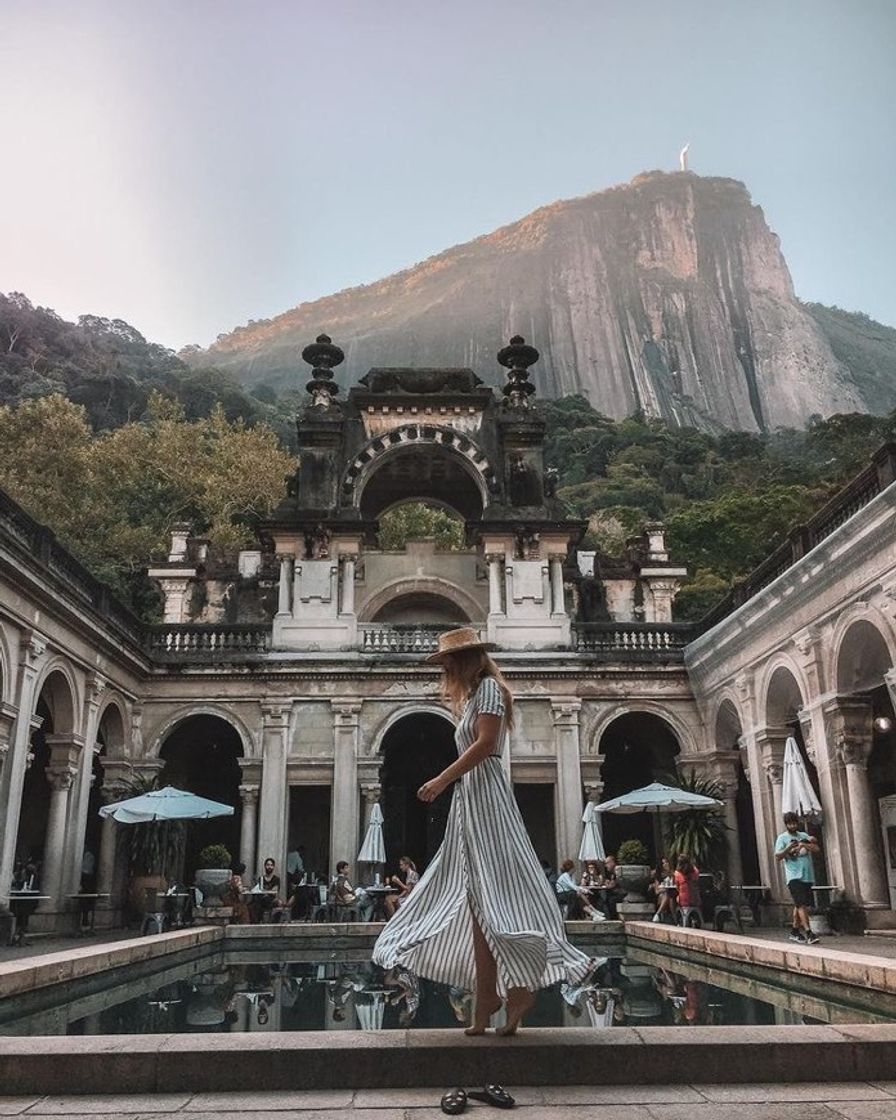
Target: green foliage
214, 856
727, 499
699, 833
416, 520
112, 497
632, 853
153, 847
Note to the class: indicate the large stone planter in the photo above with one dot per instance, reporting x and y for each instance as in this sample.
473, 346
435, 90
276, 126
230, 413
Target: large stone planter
212, 881
633, 878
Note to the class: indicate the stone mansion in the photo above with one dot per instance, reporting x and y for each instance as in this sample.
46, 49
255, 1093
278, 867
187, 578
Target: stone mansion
293, 688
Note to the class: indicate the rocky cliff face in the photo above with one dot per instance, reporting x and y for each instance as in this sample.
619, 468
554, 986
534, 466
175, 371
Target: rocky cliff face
668, 294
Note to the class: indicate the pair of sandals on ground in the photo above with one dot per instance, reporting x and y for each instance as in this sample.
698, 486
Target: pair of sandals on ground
455, 1100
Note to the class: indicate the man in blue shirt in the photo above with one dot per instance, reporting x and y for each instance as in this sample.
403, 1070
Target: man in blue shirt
795, 849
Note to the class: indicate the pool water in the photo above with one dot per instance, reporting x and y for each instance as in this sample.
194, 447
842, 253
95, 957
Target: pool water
232, 991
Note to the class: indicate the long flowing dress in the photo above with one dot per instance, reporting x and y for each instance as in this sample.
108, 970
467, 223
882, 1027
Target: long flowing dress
485, 867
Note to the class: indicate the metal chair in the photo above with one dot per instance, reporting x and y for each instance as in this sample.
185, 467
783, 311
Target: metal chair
690, 917
325, 908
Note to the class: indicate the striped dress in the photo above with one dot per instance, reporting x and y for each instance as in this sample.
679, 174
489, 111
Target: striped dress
486, 865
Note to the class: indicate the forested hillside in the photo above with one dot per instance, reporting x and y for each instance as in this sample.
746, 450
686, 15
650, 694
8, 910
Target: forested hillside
867, 349
110, 439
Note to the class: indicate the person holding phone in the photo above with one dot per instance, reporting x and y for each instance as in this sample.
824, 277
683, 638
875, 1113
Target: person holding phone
795, 850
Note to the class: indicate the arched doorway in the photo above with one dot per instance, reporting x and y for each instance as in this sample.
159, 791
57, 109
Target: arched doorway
638, 748
201, 754
728, 734
415, 748
55, 712
421, 609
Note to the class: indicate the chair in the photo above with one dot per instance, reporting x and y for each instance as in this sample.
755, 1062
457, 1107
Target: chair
690, 917
325, 908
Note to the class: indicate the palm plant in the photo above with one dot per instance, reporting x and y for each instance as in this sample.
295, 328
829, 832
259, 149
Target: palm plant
153, 847
699, 833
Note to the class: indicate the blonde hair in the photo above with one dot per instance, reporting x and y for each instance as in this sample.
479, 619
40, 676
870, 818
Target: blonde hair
461, 674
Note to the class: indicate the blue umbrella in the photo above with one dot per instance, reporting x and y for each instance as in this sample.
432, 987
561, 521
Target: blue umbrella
657, 798
168, 804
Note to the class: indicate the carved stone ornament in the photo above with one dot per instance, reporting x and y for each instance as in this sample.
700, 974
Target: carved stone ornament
527, 542
516, 359
249, 795
60, 777
852, 750
323, 357
317, 543
774, 771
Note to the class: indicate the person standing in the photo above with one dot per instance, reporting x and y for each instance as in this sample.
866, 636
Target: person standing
795, 850
483, 916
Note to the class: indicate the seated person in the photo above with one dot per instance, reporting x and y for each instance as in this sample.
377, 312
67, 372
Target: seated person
610, 891
403, 884
662, 887
233, 895
347, 897
260, 906
567, 890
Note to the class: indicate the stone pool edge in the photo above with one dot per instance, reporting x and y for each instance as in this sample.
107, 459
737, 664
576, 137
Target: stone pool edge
426, 1058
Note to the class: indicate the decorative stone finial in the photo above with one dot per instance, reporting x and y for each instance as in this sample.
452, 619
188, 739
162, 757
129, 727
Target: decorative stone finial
517, 357
322, 356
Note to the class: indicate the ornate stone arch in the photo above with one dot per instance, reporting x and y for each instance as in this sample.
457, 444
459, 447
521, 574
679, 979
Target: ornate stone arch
6, 664
778, 661
857, 613
414, 708
61, 666
683, 733
379, 450
162, 732
725, 700
115, 700
431, 585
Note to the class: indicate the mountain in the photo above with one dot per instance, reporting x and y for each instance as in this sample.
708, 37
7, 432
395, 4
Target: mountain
668, 295
866, 348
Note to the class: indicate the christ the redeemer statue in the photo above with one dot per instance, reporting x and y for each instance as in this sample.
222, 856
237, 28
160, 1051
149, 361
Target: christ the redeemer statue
683, 157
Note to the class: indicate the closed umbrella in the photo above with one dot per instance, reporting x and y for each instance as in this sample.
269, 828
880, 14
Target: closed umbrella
797, 794
168, 804
373, 850
371, 1007
592, 846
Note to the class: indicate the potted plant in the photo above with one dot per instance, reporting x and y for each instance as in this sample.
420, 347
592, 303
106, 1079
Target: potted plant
633, 870
699, 833
213, 873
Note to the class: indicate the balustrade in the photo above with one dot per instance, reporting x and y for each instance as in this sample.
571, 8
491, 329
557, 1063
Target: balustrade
208, 640
641, 641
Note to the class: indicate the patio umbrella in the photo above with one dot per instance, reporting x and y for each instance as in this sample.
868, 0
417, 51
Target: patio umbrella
797, 794
168, 804
592, 846
373, 850
370, 1006
657, 798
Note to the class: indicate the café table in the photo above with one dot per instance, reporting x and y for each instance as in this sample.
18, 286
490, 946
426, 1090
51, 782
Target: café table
379, 893
23, 904
265, 898
175, 907
823, 895
87, 901
753, 896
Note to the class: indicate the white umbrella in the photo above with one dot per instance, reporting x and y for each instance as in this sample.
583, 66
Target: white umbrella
797, 794
168, 804
371, 1006
373, 850
657, 798
592, 846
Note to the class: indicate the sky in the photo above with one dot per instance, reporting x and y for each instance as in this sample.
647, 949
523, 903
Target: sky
189, 165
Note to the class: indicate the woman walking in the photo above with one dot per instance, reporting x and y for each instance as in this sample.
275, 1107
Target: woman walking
483, 916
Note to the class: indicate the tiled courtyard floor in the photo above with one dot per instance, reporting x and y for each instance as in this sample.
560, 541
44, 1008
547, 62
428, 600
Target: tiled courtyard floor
855, 1101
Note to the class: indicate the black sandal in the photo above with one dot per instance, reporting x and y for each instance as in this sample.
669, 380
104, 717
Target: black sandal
494, 1095
454, 1102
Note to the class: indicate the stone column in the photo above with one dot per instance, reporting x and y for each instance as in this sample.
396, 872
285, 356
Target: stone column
495, 566
558, 606
767, 781
7, 720
344, 843
735, 869
249, 798
849, 721
64, 752
348, 583
32, 653
274, 791
284, 589
565, 716
80, 796
105, 867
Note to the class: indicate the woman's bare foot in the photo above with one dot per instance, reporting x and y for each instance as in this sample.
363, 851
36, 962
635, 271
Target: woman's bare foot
484, 1011
519, 1001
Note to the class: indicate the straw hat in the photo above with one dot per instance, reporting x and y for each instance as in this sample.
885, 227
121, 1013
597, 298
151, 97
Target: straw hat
453, 641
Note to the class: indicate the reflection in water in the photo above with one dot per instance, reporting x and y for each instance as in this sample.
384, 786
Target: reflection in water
230, 995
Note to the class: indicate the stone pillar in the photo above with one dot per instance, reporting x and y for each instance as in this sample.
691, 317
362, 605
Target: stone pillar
64, 753
735, 869
765, 770
284, 588
7, 720
105, 867
274, 791
661, 592
249, 798
569, 805
558, 606
348, 583
344, 842
849, 720
32, 654
495, 570
80, 796
890, 681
